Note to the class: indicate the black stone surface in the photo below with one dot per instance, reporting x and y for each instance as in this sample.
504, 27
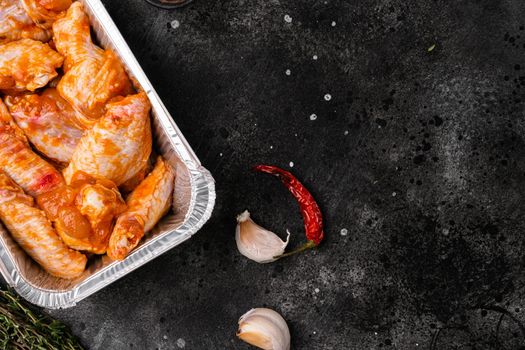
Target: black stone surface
418, 154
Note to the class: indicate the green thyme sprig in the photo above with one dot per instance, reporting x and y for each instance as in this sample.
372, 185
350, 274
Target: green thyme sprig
21, 328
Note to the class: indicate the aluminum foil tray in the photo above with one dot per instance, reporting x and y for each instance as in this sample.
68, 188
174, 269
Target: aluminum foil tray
194, 199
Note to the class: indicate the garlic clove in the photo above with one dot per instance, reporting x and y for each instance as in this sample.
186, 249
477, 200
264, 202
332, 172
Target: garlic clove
265, 329
256, 242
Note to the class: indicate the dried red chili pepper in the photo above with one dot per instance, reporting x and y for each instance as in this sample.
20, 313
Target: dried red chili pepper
312, 217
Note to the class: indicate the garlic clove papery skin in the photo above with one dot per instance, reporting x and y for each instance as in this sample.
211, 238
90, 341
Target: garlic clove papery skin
265, 329
256, 242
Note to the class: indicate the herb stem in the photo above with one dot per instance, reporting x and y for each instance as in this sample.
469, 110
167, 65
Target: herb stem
21, 328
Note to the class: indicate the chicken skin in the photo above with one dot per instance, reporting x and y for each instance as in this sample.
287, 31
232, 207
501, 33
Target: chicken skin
146, 205
6, 119
27, 169
27, 64
84, 211
45, 12
92, 75
119, 144
72, 37
48, 121
130, 184
31, 229
15, 24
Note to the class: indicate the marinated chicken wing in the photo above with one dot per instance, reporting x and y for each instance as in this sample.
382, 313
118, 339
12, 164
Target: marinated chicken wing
45, 12
72, 37
48, 121
119, 144
34, 233
27, 65
15, 23
146, 205
93, 75
90, 84
7, 119
84, 211
27, 169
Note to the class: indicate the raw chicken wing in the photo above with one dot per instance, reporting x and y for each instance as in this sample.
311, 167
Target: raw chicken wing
92, 75
34, 233
27, 169
146, 205
27, 65
84, 211
119, 144
16, 24
48, 121
72, 37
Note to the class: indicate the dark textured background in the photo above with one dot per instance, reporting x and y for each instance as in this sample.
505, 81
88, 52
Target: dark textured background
418, 155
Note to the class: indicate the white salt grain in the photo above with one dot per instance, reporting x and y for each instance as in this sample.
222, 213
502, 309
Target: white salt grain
175, 24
